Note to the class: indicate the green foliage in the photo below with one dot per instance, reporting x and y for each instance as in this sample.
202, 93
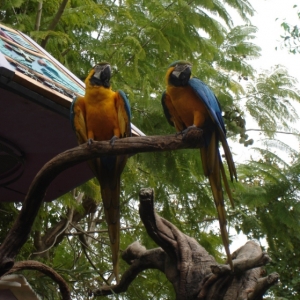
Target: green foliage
140, 39
270, 212
8, 214
271, 101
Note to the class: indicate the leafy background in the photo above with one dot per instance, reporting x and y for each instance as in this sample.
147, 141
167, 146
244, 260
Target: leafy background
140, 39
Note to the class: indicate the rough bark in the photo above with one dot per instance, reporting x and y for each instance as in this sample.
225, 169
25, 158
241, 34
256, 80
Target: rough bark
21, 228
193, 273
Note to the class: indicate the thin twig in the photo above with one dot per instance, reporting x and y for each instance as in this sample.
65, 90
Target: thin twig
98, 231
69, 219
274, 131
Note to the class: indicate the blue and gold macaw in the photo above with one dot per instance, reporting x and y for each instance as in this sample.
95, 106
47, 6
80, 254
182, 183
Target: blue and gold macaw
189, 102
101, 115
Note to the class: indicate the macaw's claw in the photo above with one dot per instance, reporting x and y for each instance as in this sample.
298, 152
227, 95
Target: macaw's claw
90, 142
185, 131
112, 140
179, 133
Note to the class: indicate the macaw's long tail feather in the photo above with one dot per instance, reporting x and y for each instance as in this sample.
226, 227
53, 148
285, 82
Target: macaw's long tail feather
225, 181
110, 192
228, 156
109, 170
216, 187
212, 165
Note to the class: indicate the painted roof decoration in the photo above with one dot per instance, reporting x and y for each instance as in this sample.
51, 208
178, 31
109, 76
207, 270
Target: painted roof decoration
31, 61
36, 95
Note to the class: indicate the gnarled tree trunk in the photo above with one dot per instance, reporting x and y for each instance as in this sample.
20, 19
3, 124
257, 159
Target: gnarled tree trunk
193, 273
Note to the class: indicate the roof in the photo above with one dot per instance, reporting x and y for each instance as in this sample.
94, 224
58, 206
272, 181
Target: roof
36, 92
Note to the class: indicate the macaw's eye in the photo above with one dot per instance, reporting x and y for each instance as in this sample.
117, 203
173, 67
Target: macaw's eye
97, 68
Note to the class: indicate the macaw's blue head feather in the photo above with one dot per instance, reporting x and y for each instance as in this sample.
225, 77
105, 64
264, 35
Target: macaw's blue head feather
100, 75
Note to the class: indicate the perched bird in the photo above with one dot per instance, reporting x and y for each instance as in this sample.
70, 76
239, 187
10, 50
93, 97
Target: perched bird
100, 115
188, 102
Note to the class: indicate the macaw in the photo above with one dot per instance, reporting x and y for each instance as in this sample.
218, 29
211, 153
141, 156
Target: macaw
188, 102
101, 115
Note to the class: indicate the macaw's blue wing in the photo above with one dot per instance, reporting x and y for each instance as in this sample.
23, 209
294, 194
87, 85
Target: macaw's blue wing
210, 100
211, 158
214, 109
124, 114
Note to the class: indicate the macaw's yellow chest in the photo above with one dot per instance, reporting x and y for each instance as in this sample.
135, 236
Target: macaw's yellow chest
189, 107
101, 115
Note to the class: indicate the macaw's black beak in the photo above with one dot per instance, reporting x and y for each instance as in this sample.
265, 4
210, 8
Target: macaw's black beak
102, 71
181, 75
182, 69
102, 75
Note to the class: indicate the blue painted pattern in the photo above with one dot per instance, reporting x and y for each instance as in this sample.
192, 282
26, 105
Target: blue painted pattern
34, 65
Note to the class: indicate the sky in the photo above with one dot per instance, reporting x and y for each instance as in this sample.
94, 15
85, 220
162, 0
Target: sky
269, 31
268, 17
268, 38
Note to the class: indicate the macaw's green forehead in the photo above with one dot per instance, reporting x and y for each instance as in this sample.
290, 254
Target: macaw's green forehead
102, 63
179, 62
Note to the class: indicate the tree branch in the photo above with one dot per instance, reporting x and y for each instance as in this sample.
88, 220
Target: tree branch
35, 265
55, 21
38, 16
263, 284
54, 235
139, 259
274, 131
21, 228
50, 238
193, 273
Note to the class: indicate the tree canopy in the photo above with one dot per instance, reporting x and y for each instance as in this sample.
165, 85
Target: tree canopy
140, 39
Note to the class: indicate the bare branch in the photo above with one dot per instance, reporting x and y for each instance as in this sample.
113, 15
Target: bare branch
99, 231
274, 131
263, 284
35, 265
55, 232
38, 16
139, 259
55, 20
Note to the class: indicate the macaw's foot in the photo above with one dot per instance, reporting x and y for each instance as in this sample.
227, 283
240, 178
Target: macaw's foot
185, 131
194, 134
90, 142
178, 133
112, 140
